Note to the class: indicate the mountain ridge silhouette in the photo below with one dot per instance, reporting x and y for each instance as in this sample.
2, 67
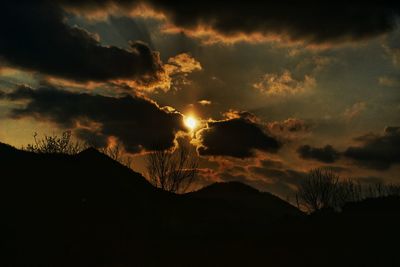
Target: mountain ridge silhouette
88, 210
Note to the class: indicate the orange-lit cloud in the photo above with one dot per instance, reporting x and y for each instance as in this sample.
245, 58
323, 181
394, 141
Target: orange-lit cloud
284, 84
208, 36
70, 83
182, 63
354, 111
389, 81
140, 124
204, 102
7, 71
103, 12
224, 21
175, 71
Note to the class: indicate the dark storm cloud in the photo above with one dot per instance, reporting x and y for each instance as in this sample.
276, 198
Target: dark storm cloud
34, 37
137, 122
237, 137
313, 21
378, 151
325, 154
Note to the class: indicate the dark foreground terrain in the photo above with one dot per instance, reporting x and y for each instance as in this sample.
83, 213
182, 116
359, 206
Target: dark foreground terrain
88, 210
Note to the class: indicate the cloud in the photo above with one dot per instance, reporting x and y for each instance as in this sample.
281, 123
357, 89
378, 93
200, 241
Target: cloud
389, 81
183, 63
355, 110
325, 154
235, 137
377, 151
270, 163
240, 114
284, 84
290, 129
204, 102
312, 22
281, 175
34, 37
279, 178
177, 70
138, 123
392, 47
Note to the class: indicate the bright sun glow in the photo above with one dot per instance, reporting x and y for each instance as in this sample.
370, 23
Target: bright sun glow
191, 122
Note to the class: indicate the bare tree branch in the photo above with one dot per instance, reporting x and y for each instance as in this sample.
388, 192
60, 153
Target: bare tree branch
323, 188
172, 171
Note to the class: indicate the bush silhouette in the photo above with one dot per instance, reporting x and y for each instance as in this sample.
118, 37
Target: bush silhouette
51, 144
64, 144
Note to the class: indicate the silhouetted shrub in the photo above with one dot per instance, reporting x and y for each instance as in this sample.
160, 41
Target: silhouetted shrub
63, 144
55, 144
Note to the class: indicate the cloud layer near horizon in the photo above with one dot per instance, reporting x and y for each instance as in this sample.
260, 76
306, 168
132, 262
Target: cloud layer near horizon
138, 123
377, 151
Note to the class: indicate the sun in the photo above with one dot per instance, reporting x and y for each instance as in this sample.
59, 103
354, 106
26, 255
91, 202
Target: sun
191, 122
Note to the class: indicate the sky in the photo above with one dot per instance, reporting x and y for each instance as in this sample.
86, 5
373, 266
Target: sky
275, 89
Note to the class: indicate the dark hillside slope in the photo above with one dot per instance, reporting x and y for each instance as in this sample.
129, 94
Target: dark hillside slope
87, 209
234, 204
56, 206
240, 194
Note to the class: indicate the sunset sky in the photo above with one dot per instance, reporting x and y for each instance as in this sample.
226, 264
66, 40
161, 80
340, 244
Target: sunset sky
270, 90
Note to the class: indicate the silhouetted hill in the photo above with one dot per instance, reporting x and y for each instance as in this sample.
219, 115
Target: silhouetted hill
378, 206
9, 151
88, 210
249, 198
58, 205
82, 205
226, 190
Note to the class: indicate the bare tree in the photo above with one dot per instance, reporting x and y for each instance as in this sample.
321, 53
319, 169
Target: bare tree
318, 189
322, 188
62, 144
173, 171
347, 191
117, 153
393, 190
381, 190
